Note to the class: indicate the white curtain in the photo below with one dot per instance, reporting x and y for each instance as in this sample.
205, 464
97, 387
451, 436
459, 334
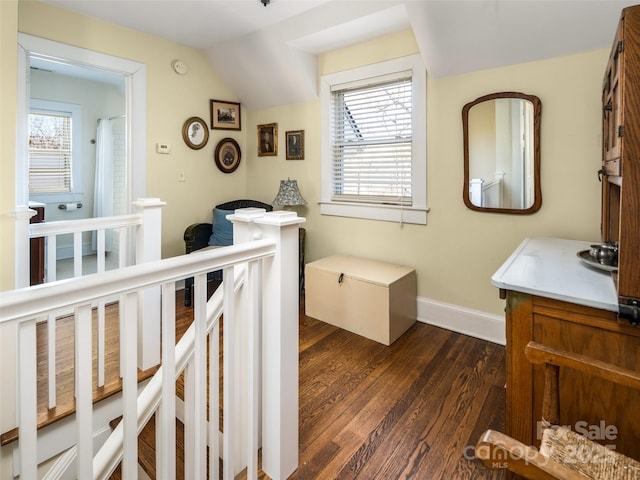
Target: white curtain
103, 190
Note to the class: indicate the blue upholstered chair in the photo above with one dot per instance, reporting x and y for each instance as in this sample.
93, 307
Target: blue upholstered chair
217, 233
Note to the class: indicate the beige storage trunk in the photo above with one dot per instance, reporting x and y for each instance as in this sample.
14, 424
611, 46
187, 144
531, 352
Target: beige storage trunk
374, 299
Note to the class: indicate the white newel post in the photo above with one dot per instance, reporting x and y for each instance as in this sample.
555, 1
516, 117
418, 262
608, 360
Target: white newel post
22, 260
244, 230
149, 249
475, 191
280, 309
9, 334
279, 377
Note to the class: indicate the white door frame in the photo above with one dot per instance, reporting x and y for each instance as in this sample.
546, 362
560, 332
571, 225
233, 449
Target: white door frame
136, 107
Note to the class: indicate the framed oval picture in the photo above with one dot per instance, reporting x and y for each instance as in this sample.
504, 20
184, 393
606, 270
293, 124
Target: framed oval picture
227, 155
195, 133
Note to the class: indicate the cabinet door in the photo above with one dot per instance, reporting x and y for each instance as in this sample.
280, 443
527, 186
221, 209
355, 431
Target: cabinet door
612, 108
37, 251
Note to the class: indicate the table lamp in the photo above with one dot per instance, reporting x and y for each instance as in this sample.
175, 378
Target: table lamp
288, 195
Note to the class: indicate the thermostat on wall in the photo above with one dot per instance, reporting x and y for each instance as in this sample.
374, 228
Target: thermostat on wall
163, 148
179, 67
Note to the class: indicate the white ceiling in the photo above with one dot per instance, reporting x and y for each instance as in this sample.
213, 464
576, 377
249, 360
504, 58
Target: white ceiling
267, 55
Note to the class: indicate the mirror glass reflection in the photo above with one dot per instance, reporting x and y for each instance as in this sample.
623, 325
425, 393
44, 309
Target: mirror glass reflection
502, 153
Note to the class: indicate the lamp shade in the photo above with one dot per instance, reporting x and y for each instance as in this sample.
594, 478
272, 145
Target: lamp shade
289, 195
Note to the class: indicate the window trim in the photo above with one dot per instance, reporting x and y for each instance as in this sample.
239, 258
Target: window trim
76, 193
417, 213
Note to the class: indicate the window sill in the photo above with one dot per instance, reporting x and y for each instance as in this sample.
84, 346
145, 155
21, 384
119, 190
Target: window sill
50, 198
387, 213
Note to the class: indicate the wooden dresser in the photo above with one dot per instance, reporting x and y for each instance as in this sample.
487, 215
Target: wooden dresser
621, 159
555, 299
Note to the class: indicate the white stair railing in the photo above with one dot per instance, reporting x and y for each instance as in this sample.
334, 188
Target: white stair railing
272, 262
147, 248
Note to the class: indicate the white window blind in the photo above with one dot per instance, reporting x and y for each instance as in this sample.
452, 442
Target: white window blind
50, 141
371, 144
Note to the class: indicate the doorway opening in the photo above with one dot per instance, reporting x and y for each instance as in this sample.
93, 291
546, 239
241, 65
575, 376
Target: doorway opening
103, 100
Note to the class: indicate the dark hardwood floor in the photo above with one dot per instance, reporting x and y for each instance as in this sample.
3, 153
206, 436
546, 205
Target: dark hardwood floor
412, 410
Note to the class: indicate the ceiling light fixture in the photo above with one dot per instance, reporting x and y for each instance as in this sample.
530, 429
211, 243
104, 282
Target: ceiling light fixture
265, 2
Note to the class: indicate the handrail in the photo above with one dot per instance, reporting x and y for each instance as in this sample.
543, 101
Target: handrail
83, 224
26, 303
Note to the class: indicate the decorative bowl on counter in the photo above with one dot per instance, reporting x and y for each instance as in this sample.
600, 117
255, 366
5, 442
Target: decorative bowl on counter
603, 257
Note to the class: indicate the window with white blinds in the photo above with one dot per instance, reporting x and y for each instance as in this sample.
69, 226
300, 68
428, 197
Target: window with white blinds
374, 147
371, 141
50, 152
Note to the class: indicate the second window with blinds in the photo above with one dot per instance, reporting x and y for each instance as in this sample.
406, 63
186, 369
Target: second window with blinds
55, 163
373, 142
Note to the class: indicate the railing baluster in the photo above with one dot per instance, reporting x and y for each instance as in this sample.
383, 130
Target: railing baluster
228, 389
51, 359
214, 401
200, 376
122, 248
52, 257
84, 391
100, 268
50, 276
27, 395
253, 314
166, 416
100, 251
189, 406
77, 254
128, 344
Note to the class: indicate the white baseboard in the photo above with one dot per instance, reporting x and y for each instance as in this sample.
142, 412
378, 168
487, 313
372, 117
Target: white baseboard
462, 320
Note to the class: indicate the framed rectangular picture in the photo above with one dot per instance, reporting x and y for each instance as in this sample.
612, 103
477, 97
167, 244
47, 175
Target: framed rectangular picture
225, 115
268, 140
295, 145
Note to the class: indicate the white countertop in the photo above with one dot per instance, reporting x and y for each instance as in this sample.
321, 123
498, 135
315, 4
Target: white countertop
550, 267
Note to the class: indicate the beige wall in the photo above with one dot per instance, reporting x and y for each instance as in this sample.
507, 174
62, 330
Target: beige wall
8, 84
458, 251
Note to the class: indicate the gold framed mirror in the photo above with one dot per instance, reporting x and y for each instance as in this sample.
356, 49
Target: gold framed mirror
502, 153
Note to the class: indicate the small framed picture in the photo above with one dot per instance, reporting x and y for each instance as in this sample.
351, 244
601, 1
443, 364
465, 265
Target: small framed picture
268, 140
295, 145
225, 115
227, 155
195, 133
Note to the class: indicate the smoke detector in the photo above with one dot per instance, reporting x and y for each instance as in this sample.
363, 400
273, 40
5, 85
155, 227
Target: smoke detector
179, 67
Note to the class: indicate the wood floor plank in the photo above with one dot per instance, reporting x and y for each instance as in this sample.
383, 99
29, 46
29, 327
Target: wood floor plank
389, 450
369, 384
401, 397
465, 412
425, 403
